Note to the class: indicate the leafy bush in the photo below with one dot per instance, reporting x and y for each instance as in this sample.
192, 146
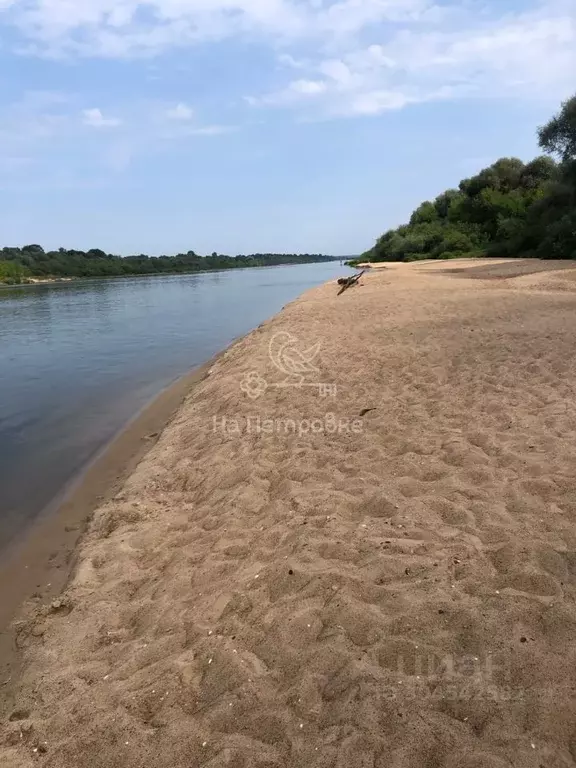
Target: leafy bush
509, 209
12, 273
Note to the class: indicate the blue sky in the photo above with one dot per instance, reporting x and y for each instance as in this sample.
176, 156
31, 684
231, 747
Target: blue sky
261, 125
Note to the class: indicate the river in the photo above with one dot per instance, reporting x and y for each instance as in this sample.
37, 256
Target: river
78, 360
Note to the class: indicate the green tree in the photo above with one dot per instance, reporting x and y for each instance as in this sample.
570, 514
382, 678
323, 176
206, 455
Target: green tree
508, 209
12, 273
448, 200
32, 259
558, 136
426, 213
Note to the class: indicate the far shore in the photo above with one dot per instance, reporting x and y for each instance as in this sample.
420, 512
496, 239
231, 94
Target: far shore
368, 561
35, 281
29, 281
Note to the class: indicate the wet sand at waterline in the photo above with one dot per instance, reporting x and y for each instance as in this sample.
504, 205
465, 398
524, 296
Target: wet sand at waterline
383, 577
40, 564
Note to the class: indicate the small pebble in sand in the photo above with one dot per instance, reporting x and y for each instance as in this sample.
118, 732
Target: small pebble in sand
301, 725
204, 743
210, 632
209, 661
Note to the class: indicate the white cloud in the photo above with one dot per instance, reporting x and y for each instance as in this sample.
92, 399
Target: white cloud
308, 87
41, 126
350, 16
212, 130
180, 112
121, 28
94, 118
289, 61
374, 102
351, 56
296, 93
529, 55
183, 131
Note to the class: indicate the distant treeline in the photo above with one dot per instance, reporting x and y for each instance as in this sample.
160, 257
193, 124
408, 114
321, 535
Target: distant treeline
19, 264
509, 209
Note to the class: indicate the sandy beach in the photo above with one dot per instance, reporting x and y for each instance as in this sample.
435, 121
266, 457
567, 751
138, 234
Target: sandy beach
352, 547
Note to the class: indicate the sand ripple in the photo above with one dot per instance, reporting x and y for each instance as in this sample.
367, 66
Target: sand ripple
399, 596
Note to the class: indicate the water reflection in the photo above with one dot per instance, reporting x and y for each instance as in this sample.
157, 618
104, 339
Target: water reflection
77, 360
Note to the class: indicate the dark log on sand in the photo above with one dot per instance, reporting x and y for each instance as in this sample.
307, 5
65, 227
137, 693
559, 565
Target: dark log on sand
348, 282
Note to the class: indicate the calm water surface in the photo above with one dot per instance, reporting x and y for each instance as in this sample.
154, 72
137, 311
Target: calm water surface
78, 360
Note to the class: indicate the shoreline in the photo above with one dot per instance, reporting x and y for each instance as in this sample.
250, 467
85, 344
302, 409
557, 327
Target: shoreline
31, 568
401, 593
82, 279
42, 560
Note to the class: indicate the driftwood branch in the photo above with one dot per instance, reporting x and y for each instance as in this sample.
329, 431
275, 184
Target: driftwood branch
348, 282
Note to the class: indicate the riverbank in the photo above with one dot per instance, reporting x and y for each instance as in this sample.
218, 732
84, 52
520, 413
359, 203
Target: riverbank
84, 357
38, 281
376, 568
39, 565
31, 281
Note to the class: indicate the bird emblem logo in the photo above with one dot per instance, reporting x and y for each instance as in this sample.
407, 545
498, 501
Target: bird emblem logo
298, 366
290, 360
